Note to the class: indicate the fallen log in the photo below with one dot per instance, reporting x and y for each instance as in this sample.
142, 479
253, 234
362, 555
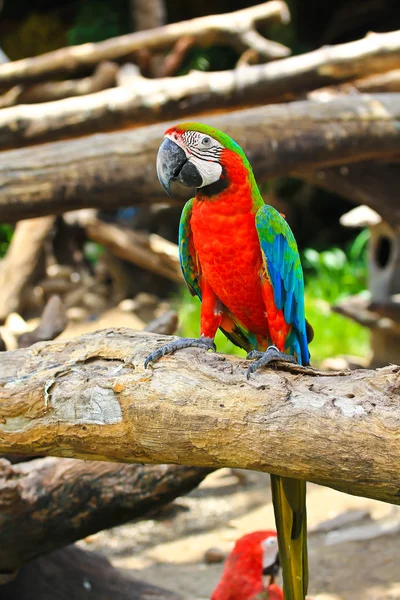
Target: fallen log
21, 259
117, 169
230, 28
91, 398
150, 252
74, 573
105, 76
49, 503
152, 100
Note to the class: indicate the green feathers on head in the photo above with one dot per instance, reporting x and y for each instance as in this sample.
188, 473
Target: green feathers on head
217, 134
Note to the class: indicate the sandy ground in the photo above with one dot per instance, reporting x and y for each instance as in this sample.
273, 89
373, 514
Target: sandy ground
169, 549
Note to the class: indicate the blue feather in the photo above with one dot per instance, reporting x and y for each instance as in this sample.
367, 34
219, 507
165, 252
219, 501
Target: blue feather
283, 267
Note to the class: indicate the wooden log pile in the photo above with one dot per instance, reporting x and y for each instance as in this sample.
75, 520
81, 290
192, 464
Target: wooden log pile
79, 132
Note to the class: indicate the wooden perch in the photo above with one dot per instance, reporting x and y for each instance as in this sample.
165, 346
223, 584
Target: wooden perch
150, 100
21, 259
104, 77
150, 252
79, 575
117, 169
230, 28
91, 398
45, 502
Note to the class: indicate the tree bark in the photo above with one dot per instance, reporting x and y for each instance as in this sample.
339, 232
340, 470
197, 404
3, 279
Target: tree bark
372, 84
150, 252
228, 28
147, 14
48, 503
105, 76
21, 259
372, 183
91, 398
97, 171
151, 100
76, 574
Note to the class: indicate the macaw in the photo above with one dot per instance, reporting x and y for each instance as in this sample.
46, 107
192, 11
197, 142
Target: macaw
255, 555
239, 256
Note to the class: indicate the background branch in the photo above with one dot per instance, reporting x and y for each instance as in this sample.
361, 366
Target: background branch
50, 502
278, 139
207, 31
150, 100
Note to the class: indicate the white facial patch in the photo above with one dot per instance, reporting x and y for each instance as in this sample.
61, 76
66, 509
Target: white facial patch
204, 152
210, 171
270, 551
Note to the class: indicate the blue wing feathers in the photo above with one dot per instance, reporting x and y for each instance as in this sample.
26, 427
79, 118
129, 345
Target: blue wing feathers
283, 267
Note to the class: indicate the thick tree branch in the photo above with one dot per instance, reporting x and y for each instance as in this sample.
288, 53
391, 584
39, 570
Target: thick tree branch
151, 100
79, 575
373, 183
208, 30
91, 398
50, 502
97, 171
20, 262
104, 77
150, 252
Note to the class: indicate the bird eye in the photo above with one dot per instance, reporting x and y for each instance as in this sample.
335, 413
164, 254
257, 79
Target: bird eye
270, 541
206, 141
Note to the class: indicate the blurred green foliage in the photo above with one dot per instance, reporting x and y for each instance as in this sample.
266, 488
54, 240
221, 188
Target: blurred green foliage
329, 276
92, 252
6, 233
97, 20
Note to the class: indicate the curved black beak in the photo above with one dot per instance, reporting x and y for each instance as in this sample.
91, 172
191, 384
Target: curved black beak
173, 165
170, 160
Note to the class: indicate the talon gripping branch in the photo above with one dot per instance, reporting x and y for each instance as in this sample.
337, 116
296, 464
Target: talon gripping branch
239, 256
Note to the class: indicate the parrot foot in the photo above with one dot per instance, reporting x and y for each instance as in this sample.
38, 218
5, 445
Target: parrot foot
201, 342
262, 359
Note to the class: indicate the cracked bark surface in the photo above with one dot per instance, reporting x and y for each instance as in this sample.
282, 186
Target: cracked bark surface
91, 398
48, 503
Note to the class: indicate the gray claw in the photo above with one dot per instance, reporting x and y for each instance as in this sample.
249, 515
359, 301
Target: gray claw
271, 354
201, 342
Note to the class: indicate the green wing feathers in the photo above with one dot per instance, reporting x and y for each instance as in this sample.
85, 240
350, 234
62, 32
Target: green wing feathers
187, 253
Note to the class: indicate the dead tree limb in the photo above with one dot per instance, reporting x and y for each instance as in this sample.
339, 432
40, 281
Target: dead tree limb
105, 76
91, 398
373, 84
74, 573
152, 100
119, 168
48, 503
150, 252
228, 28
373, 183
21, 259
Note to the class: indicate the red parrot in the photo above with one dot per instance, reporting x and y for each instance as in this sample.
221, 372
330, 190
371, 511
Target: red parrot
239, 256
254, 555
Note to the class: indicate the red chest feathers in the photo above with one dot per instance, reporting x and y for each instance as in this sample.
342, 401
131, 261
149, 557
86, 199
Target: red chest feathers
228, 249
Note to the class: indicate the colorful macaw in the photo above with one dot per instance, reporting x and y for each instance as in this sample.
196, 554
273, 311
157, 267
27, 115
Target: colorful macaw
254, 556
239, 256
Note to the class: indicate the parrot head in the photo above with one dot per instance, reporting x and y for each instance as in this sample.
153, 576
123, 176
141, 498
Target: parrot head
255, 555
197, 156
